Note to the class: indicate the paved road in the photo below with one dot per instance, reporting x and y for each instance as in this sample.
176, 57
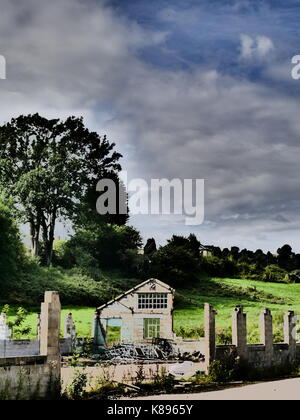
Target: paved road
288, 389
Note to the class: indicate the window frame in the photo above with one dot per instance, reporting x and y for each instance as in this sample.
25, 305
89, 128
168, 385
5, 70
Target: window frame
152, 301
151, 328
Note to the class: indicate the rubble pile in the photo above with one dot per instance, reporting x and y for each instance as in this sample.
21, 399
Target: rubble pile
133, 352
160, 349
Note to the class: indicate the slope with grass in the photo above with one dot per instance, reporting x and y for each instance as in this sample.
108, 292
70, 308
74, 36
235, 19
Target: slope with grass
223, 294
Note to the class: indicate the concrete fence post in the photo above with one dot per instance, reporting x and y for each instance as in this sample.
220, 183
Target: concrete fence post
70, 327
266, 334
38, 326
5, 331
239, 331
210, 334
50, 331
289, 330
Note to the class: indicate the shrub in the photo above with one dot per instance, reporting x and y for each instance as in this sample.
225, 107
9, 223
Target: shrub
293, 277
102, 246
175, 265
17, 326
186, 332
74, 287
224, 336
135, 264
225, 370
219, 267
233, 368
12, 253
274, 274
77, 389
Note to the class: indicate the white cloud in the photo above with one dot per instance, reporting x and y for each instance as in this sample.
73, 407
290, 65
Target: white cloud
264, 45
255, 47
247, 46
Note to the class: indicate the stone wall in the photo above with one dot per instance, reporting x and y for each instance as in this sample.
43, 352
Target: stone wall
19, 348
263, 355
189, 346
25, 378
36, 376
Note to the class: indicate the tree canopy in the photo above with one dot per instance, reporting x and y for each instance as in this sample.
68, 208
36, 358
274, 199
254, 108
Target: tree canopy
48, 165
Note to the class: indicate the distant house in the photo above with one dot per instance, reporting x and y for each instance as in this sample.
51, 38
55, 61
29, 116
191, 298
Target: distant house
141, 314
206, 250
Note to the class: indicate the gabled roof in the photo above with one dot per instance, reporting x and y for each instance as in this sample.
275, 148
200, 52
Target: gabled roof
134, 289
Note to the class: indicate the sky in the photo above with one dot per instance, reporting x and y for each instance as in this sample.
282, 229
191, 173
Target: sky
194, 89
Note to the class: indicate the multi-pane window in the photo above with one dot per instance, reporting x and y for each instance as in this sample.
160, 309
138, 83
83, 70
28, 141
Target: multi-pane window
151, 328
153, 301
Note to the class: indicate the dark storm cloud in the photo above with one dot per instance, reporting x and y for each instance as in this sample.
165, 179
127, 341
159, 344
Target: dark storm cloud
228, 121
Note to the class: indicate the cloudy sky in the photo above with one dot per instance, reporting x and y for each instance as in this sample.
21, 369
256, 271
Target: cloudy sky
186, 89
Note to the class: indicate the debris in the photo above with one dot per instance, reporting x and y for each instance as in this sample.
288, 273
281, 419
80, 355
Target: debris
161, 349
132, 352
136, 388
164, 344
182, 370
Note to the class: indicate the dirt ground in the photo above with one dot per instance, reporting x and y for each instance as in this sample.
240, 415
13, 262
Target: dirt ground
119, 373
287, 389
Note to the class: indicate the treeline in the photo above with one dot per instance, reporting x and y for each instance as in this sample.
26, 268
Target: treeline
284, 266
181, 262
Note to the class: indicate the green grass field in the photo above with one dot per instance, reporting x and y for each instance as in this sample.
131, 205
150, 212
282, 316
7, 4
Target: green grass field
83, 317
252, 295
223, 294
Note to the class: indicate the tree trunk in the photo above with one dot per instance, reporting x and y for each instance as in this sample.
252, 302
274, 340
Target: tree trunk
48, 237
34, 236
49, 252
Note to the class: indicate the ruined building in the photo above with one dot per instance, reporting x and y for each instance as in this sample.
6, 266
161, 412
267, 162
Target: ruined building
140, 314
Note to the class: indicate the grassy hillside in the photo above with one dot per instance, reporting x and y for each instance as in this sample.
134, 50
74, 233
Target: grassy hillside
223, 294
75, 286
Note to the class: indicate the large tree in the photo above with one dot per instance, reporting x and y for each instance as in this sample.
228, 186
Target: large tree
285, 257
48, 165
178, 262
87, 216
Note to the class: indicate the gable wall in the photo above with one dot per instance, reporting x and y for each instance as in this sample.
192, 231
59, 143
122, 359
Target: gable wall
132, 329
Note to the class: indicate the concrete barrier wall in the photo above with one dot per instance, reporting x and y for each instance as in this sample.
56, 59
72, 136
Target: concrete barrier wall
24, 378
20, 348
190, 346
263, 355
34, 377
